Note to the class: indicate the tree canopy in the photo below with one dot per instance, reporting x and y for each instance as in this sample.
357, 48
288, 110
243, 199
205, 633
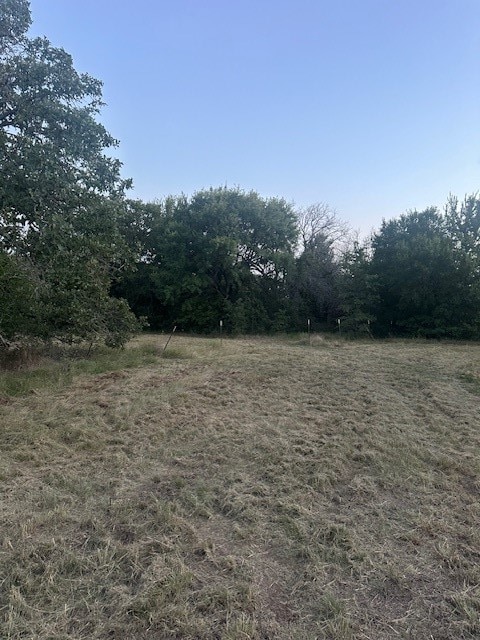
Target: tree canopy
207, 255
60, 191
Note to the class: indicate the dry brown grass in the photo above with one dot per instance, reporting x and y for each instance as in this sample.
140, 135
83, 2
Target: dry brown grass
255, 489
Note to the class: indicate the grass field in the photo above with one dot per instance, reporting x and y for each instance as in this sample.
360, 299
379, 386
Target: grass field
255, 488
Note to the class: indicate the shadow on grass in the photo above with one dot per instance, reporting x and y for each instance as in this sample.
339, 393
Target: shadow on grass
52, 374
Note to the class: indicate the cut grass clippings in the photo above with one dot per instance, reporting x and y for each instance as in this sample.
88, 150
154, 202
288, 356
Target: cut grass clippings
256, 488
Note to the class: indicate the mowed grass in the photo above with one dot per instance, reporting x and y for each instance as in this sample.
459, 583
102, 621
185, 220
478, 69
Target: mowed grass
254, 488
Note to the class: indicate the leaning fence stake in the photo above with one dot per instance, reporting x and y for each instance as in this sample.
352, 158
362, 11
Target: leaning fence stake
169, 338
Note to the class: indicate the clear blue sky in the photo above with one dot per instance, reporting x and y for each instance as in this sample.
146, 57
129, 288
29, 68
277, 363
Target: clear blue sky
370, 105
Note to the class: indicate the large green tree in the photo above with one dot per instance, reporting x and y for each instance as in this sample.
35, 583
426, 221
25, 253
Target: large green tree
61, 194
424, 280
221, 254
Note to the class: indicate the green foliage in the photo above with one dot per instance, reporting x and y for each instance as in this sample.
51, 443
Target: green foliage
14, 21
227, 254
61, 203
426, 277
205, 255
17, 293
316, 281
359, 290
314, 285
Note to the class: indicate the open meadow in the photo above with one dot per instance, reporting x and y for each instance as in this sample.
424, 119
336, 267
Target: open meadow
252, 488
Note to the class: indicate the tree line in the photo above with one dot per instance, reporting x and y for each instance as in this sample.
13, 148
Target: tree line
80, 261
260, 266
